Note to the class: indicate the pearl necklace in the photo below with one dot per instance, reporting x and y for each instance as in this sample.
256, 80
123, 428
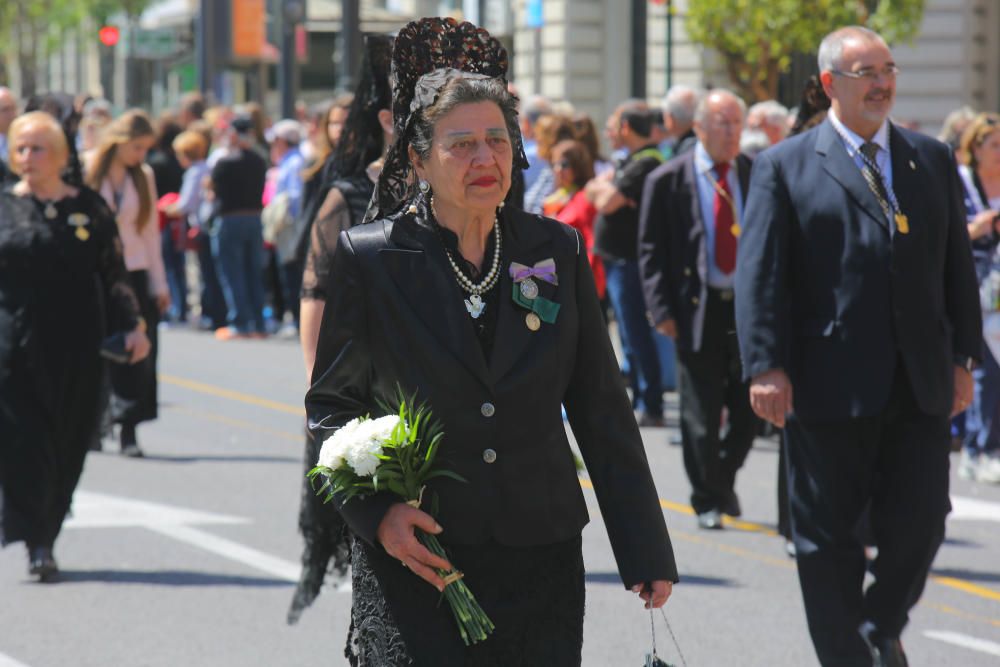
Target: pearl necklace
475, 304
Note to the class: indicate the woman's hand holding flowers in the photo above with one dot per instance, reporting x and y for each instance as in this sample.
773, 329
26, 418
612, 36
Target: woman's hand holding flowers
396, 534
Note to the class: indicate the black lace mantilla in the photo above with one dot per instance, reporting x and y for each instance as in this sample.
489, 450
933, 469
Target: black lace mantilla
421, 47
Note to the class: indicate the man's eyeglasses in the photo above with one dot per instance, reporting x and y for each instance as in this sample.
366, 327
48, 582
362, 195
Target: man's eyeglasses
869, 73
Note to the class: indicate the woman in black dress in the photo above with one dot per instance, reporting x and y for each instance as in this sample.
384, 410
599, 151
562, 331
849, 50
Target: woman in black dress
61, 266
490, 315
344, 200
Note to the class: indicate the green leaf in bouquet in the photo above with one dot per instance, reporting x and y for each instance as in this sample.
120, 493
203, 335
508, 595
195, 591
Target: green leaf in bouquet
447, 473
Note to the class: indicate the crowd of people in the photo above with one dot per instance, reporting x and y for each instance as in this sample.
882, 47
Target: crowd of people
701, 234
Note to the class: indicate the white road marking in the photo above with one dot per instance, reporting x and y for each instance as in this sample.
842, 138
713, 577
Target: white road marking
965, 641
220, 546
7, 661
98, 510
973, 509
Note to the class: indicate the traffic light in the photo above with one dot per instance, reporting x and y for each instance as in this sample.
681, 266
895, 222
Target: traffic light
108, 35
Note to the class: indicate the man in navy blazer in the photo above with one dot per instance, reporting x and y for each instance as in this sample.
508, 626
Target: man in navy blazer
858, 320
688, 226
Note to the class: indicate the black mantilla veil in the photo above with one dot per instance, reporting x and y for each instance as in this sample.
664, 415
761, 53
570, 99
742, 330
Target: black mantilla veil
422, 47
327, 545
362, 139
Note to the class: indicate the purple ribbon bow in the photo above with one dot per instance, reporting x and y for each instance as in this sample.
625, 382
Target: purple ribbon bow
543, 270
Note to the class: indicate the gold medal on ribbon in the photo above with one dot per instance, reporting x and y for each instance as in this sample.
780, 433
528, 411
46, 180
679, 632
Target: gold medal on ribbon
902, 223
80, 221
533, 322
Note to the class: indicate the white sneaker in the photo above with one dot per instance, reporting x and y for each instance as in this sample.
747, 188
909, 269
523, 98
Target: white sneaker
968, 465
988, 469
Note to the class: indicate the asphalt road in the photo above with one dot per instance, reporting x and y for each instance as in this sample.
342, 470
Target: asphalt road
187, 556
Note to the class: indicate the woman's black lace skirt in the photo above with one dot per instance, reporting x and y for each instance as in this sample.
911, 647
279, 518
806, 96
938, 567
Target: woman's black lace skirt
534, 595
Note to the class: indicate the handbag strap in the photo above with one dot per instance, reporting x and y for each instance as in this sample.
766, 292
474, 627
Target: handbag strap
673, 638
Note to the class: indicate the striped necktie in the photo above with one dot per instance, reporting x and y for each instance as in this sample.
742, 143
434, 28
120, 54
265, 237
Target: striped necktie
873, 176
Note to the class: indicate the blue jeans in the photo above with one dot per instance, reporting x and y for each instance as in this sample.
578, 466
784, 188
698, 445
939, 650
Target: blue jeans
213, 302
982, 429
238, 249
173, 263
625, 294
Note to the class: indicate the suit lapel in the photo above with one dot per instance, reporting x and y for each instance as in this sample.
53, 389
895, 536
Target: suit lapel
416, 262
743, 165
525, 242
905, 178
697, 229
843, 169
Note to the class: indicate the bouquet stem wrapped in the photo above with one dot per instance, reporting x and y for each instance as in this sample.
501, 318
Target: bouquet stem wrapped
396, 453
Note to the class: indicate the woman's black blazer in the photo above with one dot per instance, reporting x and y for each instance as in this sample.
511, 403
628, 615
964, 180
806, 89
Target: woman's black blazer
395, 316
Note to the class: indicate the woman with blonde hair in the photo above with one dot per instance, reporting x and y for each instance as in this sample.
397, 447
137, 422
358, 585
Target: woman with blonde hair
117, 170
60, 258
979, 151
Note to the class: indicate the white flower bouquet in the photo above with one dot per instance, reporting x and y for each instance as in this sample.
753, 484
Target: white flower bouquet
396, 453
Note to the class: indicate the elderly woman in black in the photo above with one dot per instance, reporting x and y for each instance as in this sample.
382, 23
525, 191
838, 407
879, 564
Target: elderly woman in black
60, 258
491, 316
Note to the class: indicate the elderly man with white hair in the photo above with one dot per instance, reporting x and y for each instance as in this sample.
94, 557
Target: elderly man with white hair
769, 117
689, 221
679, 106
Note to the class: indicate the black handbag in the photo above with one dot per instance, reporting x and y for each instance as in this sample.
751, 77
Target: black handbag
113, 348
652, 659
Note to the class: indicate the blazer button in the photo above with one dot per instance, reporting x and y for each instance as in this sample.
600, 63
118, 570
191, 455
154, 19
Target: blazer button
489, 455
694, 300
488, 410
687, 271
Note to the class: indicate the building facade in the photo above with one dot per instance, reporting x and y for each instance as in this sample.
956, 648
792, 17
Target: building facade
590, 53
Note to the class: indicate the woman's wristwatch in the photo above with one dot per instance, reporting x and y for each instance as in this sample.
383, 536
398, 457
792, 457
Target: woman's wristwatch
140, 324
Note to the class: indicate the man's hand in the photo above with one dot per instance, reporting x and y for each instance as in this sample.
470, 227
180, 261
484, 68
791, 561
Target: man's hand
963, 390
771, 396
396, 534
657, 597
983, 224
668, 328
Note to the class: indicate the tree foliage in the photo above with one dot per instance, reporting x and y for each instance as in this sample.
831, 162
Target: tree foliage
31, 28
757, 38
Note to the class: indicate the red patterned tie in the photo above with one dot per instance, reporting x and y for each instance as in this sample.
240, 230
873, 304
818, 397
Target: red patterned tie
722, 208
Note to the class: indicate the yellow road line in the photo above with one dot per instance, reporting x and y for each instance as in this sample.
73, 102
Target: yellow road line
967, 587
221, 392
229, 421
961, 613
748, 526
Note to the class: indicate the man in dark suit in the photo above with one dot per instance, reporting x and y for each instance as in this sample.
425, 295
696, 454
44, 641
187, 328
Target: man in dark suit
855, 287
615, 233
688, 226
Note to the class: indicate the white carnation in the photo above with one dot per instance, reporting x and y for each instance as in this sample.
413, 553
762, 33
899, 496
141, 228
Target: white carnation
334, 449
366, 444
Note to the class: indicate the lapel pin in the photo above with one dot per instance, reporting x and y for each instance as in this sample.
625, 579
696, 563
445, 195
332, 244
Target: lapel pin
913, 165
